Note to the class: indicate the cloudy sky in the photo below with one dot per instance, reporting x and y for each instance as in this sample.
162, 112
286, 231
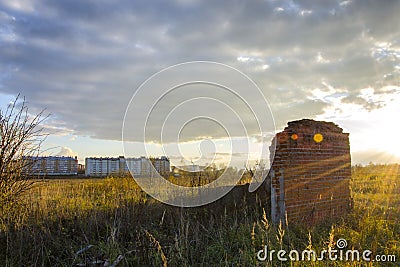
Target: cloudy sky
83, 60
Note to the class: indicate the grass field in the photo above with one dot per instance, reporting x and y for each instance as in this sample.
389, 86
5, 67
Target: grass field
110, 222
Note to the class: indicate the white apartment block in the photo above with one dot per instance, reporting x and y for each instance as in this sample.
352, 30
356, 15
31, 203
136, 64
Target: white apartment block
53, 165
101, 166
139, 167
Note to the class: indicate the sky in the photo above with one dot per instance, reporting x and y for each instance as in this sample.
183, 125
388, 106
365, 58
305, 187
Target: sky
82, 61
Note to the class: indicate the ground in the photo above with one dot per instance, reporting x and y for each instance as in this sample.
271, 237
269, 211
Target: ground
95, 222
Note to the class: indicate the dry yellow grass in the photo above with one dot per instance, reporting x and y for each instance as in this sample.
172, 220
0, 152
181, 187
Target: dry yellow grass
111, 219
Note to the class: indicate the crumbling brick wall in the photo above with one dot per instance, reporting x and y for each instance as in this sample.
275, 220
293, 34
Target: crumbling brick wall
310, 173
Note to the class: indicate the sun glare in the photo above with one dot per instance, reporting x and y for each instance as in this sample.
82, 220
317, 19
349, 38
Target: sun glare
387, 120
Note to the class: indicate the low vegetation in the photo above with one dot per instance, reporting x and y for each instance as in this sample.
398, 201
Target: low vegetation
110, 222
20, 138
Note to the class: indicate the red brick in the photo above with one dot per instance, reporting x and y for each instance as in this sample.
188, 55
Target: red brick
315, 175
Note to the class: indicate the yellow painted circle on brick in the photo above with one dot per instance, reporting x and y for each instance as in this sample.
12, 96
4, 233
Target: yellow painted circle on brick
318, 138
294, 137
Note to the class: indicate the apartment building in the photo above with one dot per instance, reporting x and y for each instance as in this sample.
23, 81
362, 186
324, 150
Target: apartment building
53, 165
139, 167
162, 165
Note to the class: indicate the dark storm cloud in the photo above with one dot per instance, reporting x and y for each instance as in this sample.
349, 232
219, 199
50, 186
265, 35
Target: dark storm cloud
82, 60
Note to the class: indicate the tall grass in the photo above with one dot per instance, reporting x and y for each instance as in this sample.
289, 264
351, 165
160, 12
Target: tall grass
110, 222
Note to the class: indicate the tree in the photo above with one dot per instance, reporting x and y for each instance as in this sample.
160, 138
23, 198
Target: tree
20, 139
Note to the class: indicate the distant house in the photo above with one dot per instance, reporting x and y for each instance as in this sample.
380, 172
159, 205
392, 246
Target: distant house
81, 168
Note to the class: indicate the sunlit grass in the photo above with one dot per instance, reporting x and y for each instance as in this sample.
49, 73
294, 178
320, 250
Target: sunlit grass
65, 222
50, 199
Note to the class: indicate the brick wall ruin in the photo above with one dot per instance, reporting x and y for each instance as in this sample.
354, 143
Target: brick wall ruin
310, 173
